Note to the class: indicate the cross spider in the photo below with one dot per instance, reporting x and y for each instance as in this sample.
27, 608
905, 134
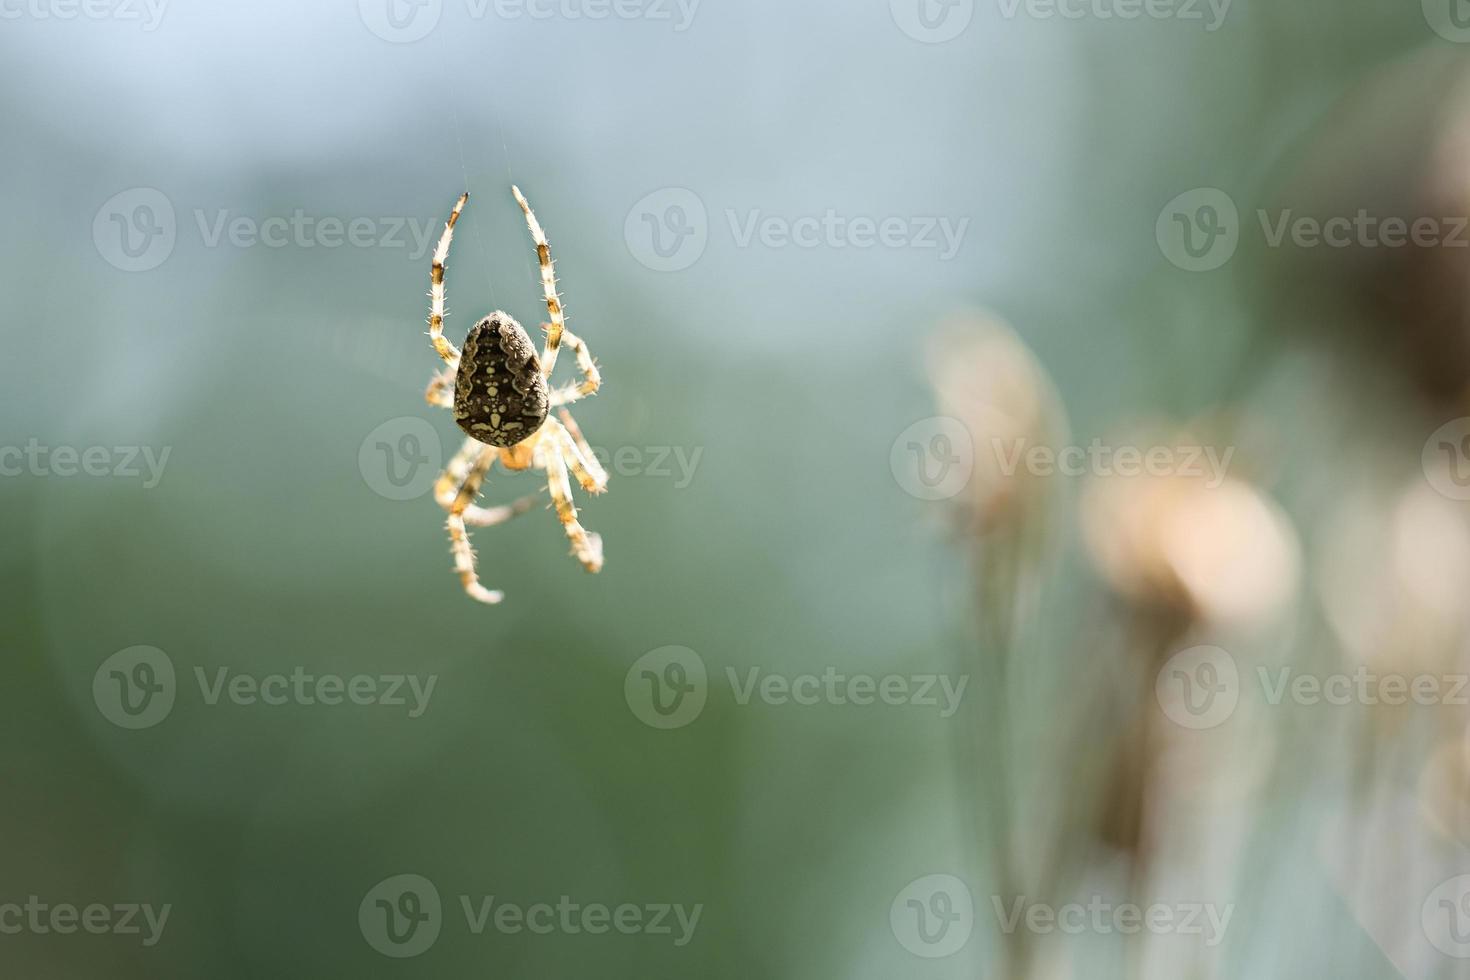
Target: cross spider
500, 394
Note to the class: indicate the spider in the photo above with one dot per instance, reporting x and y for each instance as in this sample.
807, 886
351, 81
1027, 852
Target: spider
500, 393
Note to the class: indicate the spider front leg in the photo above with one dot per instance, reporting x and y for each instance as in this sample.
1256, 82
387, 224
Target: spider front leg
442, 346
548, 286
458, 502
454, 491
579, 456
585, 545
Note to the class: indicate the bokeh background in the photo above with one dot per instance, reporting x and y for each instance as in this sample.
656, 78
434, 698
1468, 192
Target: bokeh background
806, 383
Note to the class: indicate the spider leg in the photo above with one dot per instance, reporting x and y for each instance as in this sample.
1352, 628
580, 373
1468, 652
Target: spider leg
591, 379
459, 508
548, 286
452, 491
442, 347
464, 563
585, 545
580, 458
441, 388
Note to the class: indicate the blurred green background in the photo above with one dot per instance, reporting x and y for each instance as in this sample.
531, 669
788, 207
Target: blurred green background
785, 372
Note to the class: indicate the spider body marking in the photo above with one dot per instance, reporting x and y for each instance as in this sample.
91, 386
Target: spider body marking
500, 396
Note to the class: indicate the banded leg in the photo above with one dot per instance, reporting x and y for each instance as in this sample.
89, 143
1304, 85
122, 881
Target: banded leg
459, 538
583, 462
464, 563
548, 286
591, 379
585, 545
454, 493
441, 388
442, 347
460, 508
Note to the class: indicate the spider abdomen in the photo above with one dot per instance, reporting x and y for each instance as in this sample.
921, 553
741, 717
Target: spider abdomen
500, 397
